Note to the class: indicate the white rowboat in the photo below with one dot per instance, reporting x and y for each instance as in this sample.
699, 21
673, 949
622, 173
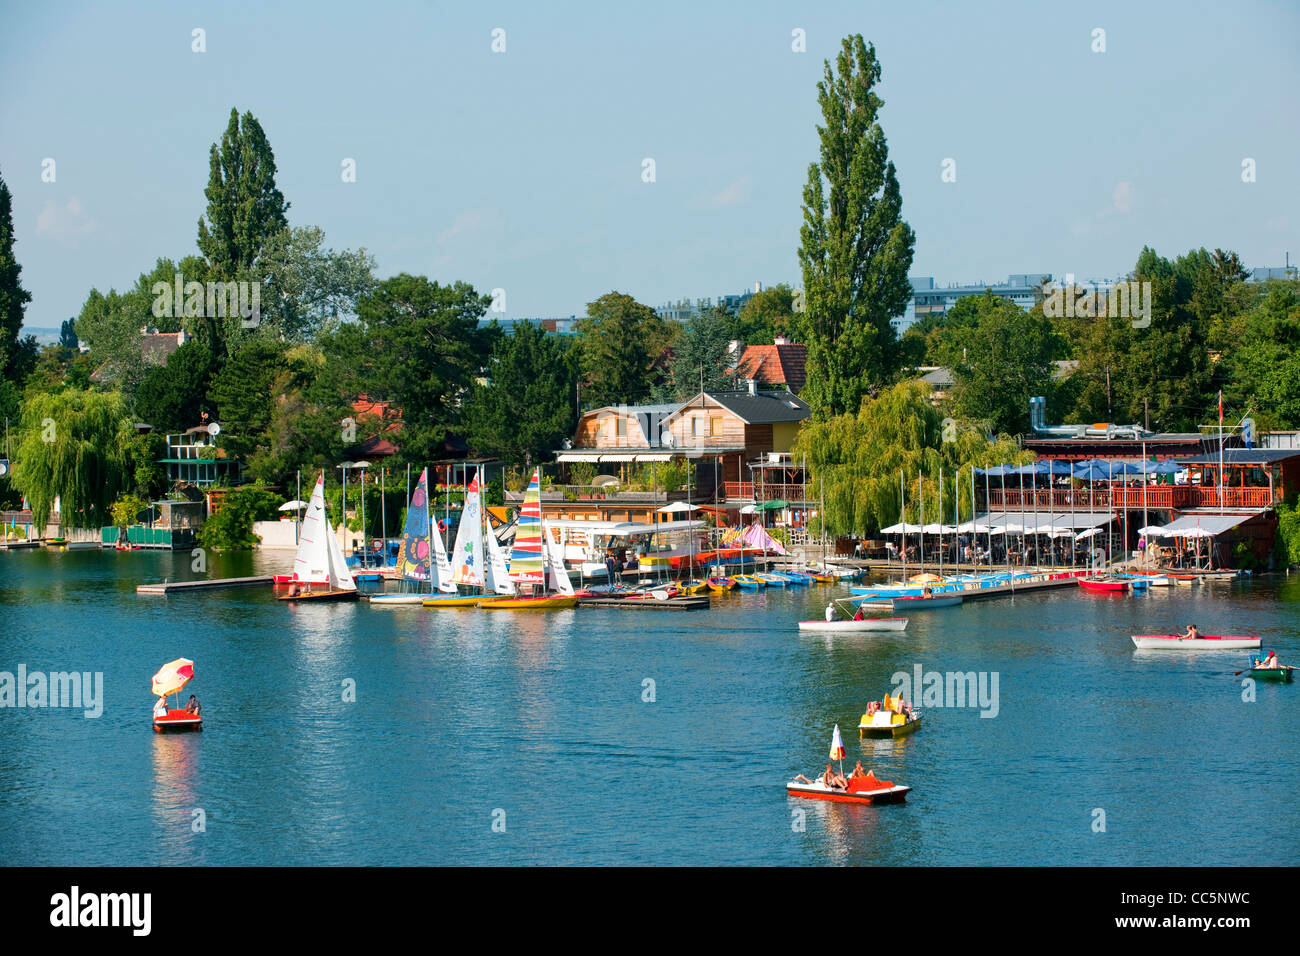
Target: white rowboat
866, 624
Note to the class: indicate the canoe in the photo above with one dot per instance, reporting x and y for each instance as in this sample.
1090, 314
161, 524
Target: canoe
848, 627
1283, 674
918, 603
860, 791
529, 603
749, 582
453, 600
1093, 584
869, 727
1206, 642
721, 584
339, 595
177, 721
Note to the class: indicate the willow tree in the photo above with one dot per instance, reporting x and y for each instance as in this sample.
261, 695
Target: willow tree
855, 249
855, 460
73, 447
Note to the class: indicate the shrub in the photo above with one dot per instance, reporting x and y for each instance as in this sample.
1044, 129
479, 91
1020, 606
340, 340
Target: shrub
126, 509
231, 528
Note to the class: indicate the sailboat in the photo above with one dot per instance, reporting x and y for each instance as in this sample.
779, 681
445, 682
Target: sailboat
415, 564
534, 563
467, 566
319, 557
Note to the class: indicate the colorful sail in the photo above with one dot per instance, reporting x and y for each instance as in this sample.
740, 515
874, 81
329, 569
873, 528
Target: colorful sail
467, 556
526, 558
413, 558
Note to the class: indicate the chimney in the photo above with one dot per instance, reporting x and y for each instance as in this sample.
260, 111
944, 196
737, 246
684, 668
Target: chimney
753, 385
780, 340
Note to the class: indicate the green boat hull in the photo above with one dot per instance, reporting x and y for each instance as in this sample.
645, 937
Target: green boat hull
1280, 675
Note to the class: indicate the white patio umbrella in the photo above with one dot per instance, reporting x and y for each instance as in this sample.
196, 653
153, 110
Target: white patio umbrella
1087, 534
677, 507
749, 510
1151, 529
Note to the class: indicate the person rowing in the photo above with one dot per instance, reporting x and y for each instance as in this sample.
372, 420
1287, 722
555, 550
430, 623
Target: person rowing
1267, 663
1191, 634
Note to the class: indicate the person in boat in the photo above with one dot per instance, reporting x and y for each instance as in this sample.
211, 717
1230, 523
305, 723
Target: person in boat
860, 615
293, 589
927, 592
160, 708
858, 773
830, 611
1268, 662
836, 781
193, 706
1190, 634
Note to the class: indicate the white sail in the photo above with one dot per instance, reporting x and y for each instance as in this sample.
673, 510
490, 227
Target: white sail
498, 574
340, 576
441, 563
467, 556
554, 554
311, 565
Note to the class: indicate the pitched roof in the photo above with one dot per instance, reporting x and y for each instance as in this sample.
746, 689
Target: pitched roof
781, 364
763, 408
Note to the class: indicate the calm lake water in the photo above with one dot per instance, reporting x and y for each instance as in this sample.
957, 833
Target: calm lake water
537, 721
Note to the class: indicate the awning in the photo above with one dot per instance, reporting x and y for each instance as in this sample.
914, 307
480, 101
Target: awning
578, 456
618, 457
652, 457
1201, 526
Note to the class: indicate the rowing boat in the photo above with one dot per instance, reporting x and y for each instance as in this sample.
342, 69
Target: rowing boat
853, 626
771, 580
749, 582
921, 603
1206, 642
721, 584
1105, 584
1282, 674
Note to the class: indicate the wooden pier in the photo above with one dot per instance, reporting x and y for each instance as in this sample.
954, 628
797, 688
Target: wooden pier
172, 587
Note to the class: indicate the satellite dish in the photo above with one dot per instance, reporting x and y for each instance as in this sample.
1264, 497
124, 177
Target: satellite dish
214, 429
4, 467
567, 444
667, 438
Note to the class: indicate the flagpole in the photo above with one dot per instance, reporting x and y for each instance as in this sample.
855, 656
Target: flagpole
902, 516
1220, 449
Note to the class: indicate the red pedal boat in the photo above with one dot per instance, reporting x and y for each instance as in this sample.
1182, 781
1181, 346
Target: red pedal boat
861, 790
177, 720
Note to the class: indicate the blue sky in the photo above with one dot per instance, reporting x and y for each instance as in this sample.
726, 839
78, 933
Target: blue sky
522, 170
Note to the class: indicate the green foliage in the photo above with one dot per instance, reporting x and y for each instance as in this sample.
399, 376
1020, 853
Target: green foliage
855, 249
764, 316
620, 342
72, 447
1287, 546
17, 351
1000, 357
1260, 369
308, 288
701, 357
244, 394
661, 476
172, 397
231, 528
126, 510
581, 473
525, 408
147, 478
244, 206
856, 460
417, 344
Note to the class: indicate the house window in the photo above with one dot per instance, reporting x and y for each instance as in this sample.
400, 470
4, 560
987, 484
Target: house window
715, 425
699, 426
620, 424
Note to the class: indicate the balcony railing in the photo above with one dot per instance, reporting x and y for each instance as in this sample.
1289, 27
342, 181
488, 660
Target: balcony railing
767, 491
1129, 497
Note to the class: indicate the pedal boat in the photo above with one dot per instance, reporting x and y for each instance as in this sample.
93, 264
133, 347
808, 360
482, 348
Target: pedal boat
862, 790
885, 723
178, 721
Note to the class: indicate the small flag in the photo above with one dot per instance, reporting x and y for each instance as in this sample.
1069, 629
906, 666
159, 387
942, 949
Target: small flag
837, 745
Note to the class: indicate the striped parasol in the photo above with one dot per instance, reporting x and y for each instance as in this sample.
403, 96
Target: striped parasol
172, 677
837, 748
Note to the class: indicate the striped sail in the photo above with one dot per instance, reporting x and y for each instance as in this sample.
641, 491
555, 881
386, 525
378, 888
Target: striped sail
526, 559
467, 556
413, 556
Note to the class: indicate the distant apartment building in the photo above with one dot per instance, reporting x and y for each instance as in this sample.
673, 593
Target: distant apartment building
683, 310
558, 325
1024, 289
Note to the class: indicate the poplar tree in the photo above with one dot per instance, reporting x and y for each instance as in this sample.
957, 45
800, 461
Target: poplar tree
855, 249
17, 352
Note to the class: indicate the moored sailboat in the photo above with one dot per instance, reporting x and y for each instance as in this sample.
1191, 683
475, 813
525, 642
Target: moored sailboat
319, 557
533, 564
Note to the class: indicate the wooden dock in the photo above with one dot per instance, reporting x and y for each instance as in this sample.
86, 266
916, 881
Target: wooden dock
650, 604
172, 587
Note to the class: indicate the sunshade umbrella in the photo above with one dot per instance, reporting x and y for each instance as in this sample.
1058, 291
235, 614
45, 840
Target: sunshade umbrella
775, 505
677, 506
172, 677
293, 506
1152, 529
837, 748
749, 510
1087, 534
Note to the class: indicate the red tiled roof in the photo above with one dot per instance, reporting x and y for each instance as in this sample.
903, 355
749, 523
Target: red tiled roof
775, 365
